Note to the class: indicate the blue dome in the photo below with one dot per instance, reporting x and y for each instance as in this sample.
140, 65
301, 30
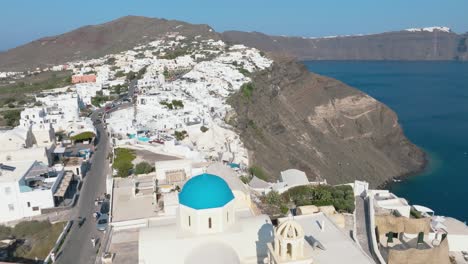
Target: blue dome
205, 191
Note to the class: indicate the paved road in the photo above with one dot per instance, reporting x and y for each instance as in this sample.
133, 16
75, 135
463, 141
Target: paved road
77, 247
131, 88
363, 227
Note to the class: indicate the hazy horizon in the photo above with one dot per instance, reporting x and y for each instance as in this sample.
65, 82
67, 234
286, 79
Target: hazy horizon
19, 26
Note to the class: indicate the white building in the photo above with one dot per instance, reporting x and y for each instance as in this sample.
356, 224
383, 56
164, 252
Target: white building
20, 144
385, 200
86, 91
27, 187
207, 229
58, 110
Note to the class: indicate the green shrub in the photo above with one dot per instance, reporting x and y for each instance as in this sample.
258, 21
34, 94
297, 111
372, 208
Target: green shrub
258, 172
83, 136
143, 168
341, 197
119, 74
245, 179
180, 135
247, 90
99, 99
12, 117
203, 129
415, 214
123, 161
177, 104
244, 71
5, 232
273, 198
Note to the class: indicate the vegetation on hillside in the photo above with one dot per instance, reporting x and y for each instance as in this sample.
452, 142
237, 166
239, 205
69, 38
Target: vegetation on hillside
11, 117
259, 172
123, 161
36, 238
56, 80
247, 90
174, 54
243, 71
175, 104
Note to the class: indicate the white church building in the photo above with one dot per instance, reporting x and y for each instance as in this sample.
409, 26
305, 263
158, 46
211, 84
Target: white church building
208, 229
211, 227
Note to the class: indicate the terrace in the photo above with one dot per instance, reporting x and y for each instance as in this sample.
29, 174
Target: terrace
40, 177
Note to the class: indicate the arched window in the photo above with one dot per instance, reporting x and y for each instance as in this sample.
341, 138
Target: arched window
189, 221
209, 222
289, 249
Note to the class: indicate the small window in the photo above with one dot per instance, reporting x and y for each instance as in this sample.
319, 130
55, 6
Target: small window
11, 207
189, 221
29, 204
209, 223
227, 217
35, 208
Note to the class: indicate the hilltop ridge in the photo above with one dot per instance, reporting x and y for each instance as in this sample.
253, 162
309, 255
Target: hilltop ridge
93, 41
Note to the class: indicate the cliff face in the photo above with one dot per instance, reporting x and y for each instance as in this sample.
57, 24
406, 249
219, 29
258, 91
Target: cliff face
297, 119
399, 45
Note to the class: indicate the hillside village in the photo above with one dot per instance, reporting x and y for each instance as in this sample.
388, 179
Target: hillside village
144, 136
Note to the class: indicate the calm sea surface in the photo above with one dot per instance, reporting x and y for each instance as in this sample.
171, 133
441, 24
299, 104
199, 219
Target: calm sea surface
431, 100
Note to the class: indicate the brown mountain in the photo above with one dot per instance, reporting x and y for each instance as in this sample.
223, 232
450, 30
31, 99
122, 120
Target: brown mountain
297, 119
400, 45
96, 41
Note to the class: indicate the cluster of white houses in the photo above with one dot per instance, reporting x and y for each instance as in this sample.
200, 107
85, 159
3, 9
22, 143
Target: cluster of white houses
193, 105
37, 165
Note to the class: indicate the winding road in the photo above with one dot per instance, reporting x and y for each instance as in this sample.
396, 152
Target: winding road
77, 247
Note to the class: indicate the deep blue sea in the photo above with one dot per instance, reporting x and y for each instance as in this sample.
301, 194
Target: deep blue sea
431, 100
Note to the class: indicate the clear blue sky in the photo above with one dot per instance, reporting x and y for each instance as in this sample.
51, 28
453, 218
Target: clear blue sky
24, 20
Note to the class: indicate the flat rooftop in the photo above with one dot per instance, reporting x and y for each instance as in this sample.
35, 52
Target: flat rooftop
455, 226
340, 248
126, 206
124, 244
20, 169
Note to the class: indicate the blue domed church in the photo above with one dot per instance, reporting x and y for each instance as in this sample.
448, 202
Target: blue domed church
206, 205
209, 227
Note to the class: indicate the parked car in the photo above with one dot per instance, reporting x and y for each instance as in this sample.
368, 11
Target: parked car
102, 222
158, 141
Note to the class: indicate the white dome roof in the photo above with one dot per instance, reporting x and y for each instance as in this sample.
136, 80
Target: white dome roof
290, 230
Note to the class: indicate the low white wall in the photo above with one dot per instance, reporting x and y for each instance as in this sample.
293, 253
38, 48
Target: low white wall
458, 242
375, 247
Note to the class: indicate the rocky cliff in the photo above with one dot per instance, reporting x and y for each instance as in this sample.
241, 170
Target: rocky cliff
296, 119
398, 45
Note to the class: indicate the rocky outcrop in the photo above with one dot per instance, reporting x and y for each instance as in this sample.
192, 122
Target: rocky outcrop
398, 45
297, 119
